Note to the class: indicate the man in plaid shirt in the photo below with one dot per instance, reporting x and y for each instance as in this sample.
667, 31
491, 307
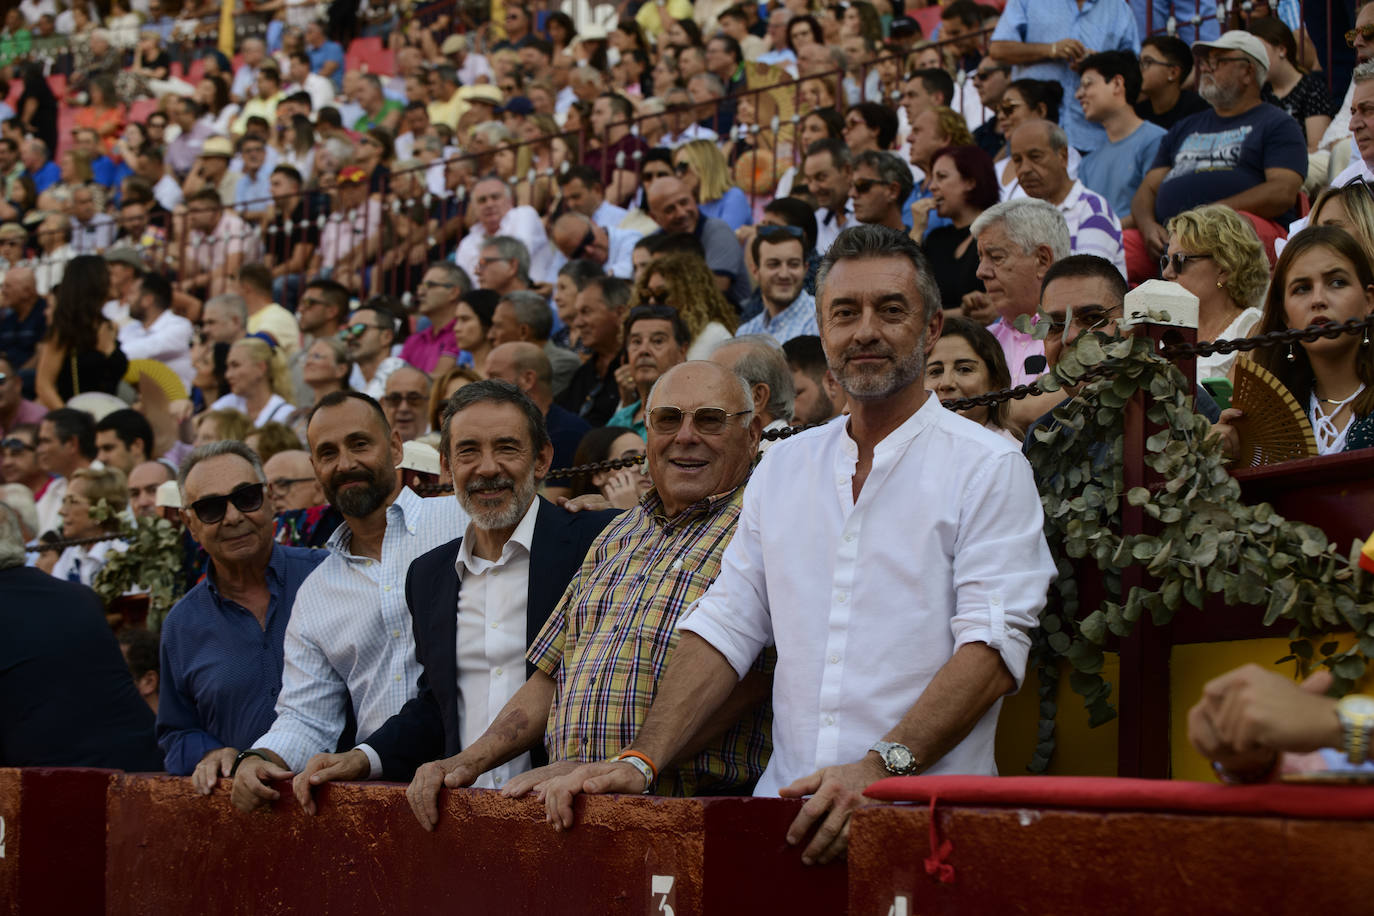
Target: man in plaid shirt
602, 651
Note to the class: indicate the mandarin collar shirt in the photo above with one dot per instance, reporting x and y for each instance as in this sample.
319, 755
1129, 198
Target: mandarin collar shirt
943, 547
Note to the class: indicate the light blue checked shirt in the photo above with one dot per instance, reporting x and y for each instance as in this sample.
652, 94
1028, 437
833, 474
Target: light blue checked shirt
350, 636
1101, 25
797, 319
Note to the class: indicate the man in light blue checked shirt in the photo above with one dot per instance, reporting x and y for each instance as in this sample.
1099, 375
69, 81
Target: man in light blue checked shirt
788, 309
350, 638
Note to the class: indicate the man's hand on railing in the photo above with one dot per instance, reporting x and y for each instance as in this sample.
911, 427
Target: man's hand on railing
836, 793
535, 780
423, 791
323, 768
604, 777
212, 767
250, 782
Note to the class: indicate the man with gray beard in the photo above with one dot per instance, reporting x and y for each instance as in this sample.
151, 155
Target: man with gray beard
349, 653
1243, 152
479, 600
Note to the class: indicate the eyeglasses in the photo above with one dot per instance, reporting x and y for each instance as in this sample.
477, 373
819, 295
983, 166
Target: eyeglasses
1083, 318
358, 330
282, 484
1007, 109
864, 185
1148, 62
15, 445
413, 398
483, 262
211, 509
709, 421
1365, 31
430, 284
1207, 62
986, 73
1179, 260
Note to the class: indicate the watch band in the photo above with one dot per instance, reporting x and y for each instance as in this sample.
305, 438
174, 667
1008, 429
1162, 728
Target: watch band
244, 755
1355, 734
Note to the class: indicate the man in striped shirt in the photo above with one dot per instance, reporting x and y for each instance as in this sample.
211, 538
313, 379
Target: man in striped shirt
603, 649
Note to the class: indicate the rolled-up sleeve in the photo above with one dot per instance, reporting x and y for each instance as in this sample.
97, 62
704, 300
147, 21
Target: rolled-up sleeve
1002, 564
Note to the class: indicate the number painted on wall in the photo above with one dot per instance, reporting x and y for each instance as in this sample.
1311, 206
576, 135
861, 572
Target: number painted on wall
2, 836
661, 887
899, 906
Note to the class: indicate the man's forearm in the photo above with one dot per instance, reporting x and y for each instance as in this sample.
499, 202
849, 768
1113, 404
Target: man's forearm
756, 687
517, 728
1019, 52
697, 681
1269, 199
957, 697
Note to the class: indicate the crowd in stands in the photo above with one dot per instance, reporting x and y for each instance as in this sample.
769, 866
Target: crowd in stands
279, 287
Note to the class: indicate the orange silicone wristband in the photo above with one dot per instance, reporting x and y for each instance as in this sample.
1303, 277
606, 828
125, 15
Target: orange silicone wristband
644, 757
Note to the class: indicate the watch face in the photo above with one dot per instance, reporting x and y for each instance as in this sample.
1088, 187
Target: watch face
898, 758
1358, 705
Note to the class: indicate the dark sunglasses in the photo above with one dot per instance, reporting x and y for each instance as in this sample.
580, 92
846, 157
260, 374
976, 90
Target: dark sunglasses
247, 498
580, 251
864, 185
358, 330
989, 71
14, 445
709, 421
413, 398
1365, 31
1180, 260
770, 231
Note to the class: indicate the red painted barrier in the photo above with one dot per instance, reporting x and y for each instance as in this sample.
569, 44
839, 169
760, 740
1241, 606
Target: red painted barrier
52, 841
1009, 856
171, 851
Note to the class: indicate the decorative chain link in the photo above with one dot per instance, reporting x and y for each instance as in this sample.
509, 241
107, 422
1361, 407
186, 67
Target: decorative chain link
1270, 339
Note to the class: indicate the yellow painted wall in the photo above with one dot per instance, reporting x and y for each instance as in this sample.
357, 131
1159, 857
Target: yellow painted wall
1084, 751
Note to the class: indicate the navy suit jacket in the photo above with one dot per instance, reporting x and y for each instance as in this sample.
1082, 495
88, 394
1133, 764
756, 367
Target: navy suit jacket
427, 727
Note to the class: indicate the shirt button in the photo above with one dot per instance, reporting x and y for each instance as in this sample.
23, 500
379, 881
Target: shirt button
398, 677
841, 597
386, 588
498, 672
497, 780
849, 536
834, 659
396, 633
829, 720
494, 625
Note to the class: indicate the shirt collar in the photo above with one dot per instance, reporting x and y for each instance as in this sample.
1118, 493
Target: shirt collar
521, 539
276, 570
911, 427
652, 504
800, 304
433, 333
405, 509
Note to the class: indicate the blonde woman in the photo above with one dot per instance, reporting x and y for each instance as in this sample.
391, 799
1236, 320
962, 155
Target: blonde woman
684, 282
1215, 254
1350, 208
702, 167
88, 488
258, 383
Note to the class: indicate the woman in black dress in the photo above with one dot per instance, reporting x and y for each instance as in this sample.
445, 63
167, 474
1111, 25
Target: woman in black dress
963, 183
81, 350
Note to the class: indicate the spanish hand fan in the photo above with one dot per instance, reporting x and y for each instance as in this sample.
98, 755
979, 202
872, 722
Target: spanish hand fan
1275, 427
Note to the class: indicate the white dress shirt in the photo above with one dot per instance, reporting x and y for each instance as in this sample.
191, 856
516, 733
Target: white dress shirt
608, 215
167, 340
492, 603
350, 637
277, 408
521, 223
944, 547
829, 225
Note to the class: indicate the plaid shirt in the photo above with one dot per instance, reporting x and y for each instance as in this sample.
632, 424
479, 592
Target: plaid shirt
615, 629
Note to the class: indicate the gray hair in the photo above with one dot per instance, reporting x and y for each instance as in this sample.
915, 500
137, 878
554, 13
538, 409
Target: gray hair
746, 392
452, 274
1058, 139
11, 539
763, 362
715, 83
511, 249
494, 132
890, 170
214, 450
866, 241
19, 498
1029, 223
230, 304
531, 310
1364, 72
493, 391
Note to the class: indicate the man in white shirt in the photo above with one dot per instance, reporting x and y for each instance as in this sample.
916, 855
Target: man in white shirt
583, 193
319, 88
350, 640
501, 579
498, 215
828, 170
896, 641
245, 84
1361, 126
156, 332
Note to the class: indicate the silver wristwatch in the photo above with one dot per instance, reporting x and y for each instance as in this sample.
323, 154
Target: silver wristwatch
896, 757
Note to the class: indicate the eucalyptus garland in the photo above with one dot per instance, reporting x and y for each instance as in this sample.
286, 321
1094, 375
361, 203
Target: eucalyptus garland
151, 562
1208, 541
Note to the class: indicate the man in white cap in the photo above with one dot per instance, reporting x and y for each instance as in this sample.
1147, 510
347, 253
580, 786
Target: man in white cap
1244, 153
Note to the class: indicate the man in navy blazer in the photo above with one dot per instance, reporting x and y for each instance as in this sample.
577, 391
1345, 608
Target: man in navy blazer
478, 600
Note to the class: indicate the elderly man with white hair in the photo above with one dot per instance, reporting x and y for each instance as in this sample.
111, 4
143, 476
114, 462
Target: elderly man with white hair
494, 203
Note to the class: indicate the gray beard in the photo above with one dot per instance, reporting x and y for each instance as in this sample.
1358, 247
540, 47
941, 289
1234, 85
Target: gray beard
874, 386
1218, 97
497, 519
